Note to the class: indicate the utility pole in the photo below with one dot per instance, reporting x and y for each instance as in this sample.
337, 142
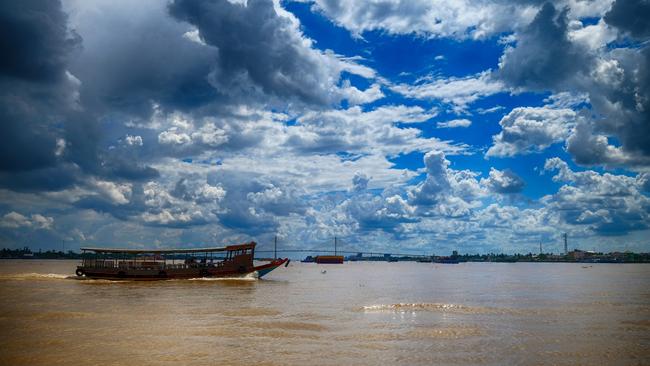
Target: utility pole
566, 250
275, 248
335, 245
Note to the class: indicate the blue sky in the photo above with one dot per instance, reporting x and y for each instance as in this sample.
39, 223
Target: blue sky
421, 126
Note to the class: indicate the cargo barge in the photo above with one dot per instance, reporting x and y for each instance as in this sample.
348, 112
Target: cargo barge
329, 259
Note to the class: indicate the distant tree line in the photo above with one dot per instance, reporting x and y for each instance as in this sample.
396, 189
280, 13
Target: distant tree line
27, 253
614, 257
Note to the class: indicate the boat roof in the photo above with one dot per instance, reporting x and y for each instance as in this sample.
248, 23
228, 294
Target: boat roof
228, 248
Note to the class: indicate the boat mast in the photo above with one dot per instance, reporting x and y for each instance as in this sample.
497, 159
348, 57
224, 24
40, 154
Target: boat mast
275, 248
335, 245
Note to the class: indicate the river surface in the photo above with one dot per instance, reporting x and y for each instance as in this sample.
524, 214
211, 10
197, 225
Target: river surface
352, 314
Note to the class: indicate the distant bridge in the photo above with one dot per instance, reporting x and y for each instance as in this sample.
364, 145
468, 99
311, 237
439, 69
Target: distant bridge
372, 254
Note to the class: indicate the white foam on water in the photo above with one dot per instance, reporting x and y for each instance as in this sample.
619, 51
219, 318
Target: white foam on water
253, 276
36, 276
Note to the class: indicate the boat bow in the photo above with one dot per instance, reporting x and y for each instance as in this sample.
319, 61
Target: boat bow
268, 267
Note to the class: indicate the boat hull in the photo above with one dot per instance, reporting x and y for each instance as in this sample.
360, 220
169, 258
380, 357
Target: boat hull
158, 274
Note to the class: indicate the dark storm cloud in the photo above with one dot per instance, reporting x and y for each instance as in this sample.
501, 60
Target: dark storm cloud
34, 40
51, 134
631, 16
544, 57
135, 55
258, 49
52, 178
35, 91
26, 142
129, 170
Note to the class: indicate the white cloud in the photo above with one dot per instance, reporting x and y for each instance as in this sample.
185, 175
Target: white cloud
531, 129
354, 96
607, 204
116, 193
133, 140
187, 201
593, 36
454, 123
15, 220
360, 182
355, 131
173, 137
434, 18
503, 181
453, 90
194, 36
210, 135
445, 191
60, 147
489, 110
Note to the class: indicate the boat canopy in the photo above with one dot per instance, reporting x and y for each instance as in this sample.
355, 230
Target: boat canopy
229, 248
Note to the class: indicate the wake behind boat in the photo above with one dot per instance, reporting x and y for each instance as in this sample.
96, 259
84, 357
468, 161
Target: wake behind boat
161, 264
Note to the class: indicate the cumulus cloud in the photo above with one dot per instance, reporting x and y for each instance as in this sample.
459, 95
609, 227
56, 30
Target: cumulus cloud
445, 191
261, 30
531, 129
503, 181
557, 53
356, 131
189, 201
360, 182
587, 147
133, 140
117, 193
460, 19
384, 212
253, 130
544, 56
607, 204
15, 220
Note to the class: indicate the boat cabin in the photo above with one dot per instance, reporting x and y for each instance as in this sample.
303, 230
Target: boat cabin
111, 263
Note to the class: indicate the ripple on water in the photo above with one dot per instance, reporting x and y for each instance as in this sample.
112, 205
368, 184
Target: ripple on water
252, 312
62, 315
416, 334
288, 325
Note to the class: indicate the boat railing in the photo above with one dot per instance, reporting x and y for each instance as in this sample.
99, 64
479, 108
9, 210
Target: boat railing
130, 265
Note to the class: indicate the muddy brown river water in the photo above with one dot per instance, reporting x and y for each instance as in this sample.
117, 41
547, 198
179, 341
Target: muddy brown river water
353, 314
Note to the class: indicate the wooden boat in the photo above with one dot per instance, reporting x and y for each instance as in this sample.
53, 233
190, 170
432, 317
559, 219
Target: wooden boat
161, 264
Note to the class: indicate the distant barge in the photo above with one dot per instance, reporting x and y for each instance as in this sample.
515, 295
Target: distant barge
162, 264
329, 259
